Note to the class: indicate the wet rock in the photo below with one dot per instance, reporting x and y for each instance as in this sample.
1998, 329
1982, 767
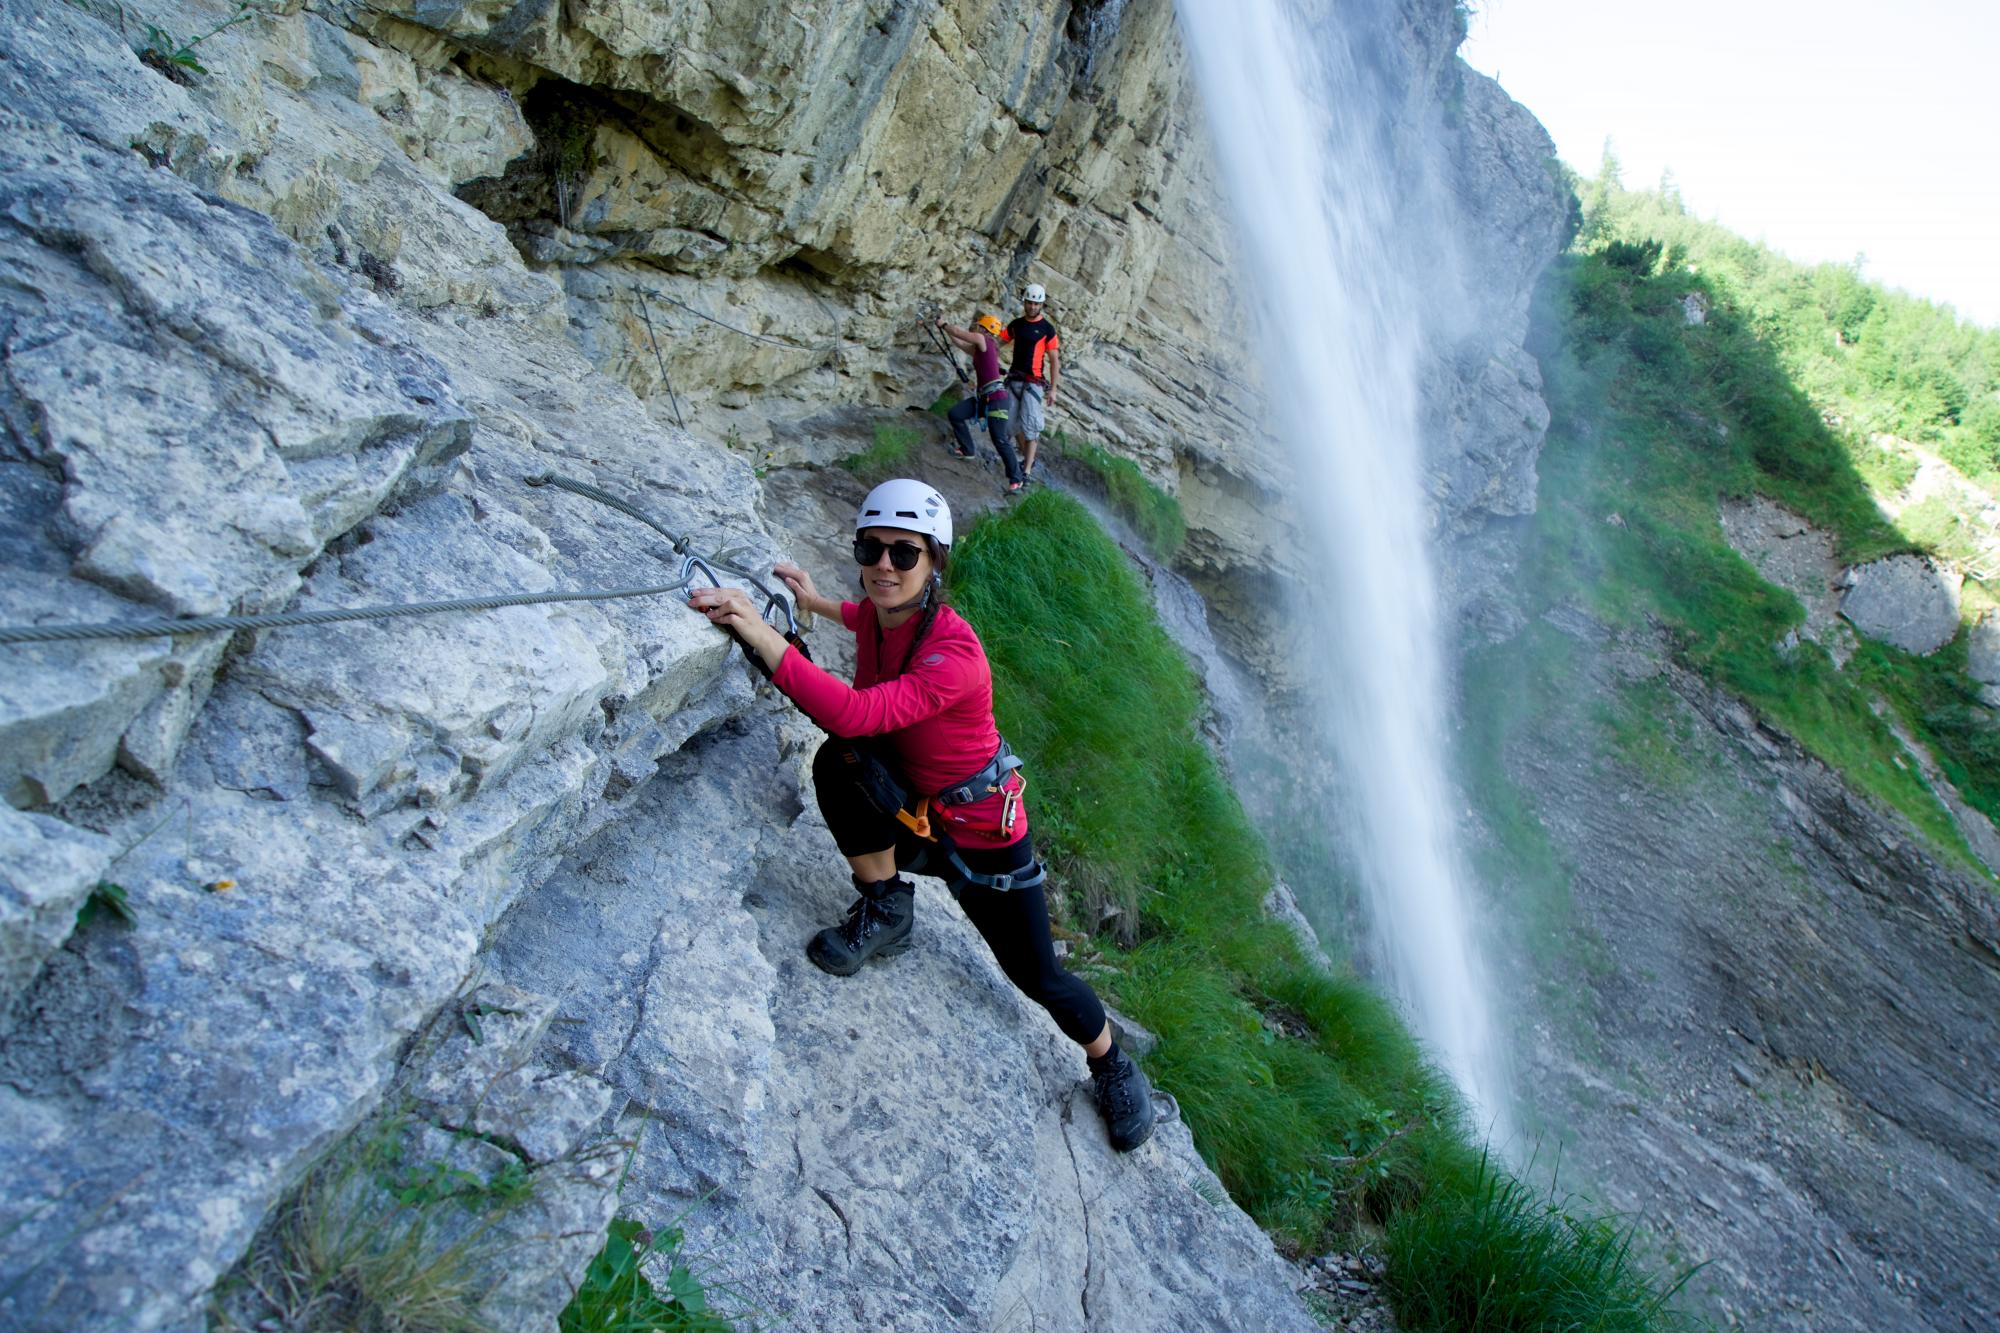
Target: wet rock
1752, 897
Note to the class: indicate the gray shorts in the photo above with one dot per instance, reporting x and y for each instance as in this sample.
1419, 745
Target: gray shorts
1028, 414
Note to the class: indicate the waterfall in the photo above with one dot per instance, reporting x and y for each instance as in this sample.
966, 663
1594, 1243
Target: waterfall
1330, 256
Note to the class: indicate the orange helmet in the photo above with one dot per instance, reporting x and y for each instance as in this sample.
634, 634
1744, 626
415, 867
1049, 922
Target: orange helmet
990, 324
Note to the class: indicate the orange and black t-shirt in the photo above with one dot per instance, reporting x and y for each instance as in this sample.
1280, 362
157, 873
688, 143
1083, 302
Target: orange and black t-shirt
1033, 339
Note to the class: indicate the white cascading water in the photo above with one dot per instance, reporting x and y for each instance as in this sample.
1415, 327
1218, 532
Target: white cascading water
1328, 263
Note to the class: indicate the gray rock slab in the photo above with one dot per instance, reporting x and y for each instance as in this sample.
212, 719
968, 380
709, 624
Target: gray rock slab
63, 706
215, 412
541, 1114
47, 869
1903, 600
482, 1077
913, 1147
426, 709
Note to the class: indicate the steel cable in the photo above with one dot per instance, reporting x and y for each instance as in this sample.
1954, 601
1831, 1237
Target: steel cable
691, 564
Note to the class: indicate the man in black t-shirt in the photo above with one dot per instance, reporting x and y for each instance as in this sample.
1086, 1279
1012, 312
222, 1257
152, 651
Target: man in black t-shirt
1036, 367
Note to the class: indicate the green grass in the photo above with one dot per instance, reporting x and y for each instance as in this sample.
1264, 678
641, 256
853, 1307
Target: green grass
888, 457
1655, 421
109, 901
1505, 1257
1153, 514
1304, 1091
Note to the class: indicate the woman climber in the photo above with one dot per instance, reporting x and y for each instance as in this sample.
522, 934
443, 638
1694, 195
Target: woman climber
914, 776
989, 401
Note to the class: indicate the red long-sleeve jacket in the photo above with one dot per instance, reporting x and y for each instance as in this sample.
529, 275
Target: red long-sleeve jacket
937, 717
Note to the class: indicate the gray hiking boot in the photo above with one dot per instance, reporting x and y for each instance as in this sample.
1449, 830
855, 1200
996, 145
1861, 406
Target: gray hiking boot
878, 926
1124, 1098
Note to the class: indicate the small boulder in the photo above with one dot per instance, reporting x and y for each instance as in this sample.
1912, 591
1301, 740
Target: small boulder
1982, 656
1903, 600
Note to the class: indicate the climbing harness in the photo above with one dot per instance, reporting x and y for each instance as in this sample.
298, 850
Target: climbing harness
692, 563
884, 790
986, 781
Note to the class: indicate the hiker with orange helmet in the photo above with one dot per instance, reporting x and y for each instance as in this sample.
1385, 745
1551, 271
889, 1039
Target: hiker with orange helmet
989, 398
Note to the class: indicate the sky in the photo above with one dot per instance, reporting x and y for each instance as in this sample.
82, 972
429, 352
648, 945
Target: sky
1827, 130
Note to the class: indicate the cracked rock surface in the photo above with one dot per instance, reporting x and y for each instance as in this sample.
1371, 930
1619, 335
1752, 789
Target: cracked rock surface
911, 1147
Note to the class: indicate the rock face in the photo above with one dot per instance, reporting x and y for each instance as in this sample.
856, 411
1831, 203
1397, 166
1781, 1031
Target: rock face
47, 870
1782, 995
293, 333
857, 1174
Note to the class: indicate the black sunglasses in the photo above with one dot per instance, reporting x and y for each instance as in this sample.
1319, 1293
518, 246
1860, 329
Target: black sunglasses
903, 555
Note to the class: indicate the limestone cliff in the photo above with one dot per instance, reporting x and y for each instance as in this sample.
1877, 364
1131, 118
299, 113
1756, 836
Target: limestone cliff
290, 329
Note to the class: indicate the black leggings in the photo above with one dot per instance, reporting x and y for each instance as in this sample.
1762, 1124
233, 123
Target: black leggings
994, 411
1014, 922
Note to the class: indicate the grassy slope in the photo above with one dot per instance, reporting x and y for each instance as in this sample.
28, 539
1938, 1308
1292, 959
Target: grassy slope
1302, 1088
1655, 421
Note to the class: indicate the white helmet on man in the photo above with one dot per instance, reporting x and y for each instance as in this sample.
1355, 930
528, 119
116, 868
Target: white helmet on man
1033, 292
913, 506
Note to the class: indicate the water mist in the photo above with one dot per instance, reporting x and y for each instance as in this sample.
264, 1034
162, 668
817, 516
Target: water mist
1329, 262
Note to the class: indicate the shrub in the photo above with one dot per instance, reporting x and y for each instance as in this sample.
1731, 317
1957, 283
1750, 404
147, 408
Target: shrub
617, 1297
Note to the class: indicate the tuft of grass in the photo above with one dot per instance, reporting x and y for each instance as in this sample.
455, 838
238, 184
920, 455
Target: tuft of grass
889, 456
175, 58
1153, 514
1505, 1257
427, 1183
1304, 1091
358, 1246
107, 899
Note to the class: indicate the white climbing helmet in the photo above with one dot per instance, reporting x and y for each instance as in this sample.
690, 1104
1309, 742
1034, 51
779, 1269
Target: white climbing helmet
1034, 292
913, 506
